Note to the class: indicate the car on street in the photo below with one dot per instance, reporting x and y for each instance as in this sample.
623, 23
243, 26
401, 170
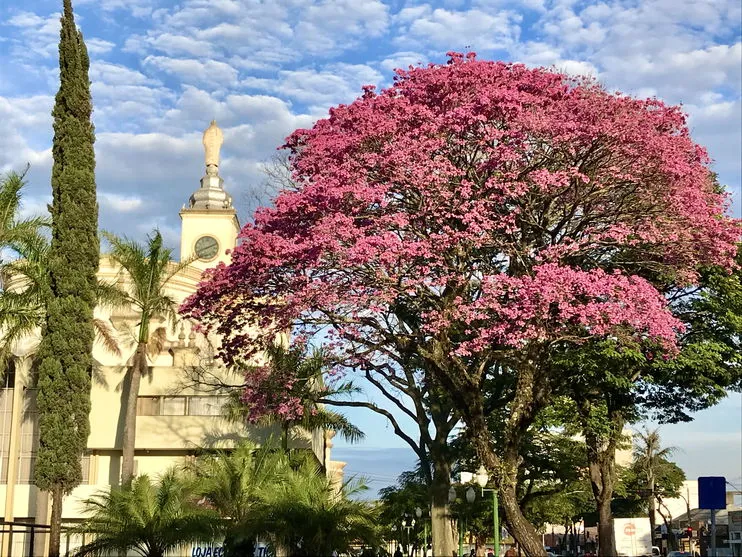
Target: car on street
680, 554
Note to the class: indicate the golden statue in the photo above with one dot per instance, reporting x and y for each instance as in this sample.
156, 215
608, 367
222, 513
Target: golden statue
213, 139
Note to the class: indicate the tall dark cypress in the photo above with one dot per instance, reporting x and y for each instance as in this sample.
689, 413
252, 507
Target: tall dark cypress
65, 353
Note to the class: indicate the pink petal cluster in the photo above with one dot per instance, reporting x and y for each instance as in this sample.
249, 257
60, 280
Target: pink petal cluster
496, 204
269, 393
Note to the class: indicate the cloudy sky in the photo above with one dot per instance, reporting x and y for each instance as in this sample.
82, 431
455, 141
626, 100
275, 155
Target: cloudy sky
161, 70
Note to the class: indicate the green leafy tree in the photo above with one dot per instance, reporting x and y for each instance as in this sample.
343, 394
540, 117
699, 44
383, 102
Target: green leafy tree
411, 491
65, 352
311, 517
612, 386
262, 492
551, 481
651, 461
145, 272
149, 518
233, 483
651, 478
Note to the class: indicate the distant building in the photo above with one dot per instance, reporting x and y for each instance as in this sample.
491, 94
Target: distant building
174, 419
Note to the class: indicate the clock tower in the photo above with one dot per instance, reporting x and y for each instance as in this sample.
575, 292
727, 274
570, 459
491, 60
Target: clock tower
209, 224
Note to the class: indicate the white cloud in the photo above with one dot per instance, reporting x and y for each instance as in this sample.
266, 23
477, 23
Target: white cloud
333, 84
98, 46
195, 72
137, 8
459, 30
169, 44
402, 60
117, 74
118, 202
263, 68
36, 35
326, 26
35, 206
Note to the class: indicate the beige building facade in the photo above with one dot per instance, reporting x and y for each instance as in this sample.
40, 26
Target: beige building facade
175, 417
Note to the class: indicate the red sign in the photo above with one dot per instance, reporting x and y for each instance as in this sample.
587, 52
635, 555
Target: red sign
629, 529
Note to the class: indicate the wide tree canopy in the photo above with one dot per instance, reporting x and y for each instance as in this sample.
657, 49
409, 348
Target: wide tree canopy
477, 205
478, 218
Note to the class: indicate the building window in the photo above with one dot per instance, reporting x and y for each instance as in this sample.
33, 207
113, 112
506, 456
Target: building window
148, 406
85, 465
206, 405
180, 405
174, 406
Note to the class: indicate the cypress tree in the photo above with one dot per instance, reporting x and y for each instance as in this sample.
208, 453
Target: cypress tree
65, 353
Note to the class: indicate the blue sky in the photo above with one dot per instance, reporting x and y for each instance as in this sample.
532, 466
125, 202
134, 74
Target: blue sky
161, 70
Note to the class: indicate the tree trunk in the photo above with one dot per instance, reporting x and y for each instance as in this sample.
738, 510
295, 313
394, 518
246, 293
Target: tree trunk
650, 505
601, 457
55, 530
506, 469
130, 420
441, 529
672, 542
520, 528
285, 426
605, 527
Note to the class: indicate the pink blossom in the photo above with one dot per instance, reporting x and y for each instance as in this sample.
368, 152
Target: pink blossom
486, 203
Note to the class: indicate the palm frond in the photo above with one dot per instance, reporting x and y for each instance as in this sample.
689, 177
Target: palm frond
105, 334
321, 418
156, 342
111, 295
146, 517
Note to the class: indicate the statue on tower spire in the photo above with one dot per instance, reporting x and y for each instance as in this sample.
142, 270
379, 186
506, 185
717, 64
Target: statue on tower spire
212, 140
211, 194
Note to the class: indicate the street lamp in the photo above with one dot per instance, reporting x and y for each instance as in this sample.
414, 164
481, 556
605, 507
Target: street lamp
482, 478
408, 526
419, 514
470, 495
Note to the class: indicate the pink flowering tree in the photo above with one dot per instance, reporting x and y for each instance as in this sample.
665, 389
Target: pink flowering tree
472, 219
288, 390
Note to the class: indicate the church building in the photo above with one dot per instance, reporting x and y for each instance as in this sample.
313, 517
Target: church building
176, 417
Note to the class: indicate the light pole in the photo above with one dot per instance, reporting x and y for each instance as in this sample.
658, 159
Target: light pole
419, 514
408, 526
482, 479
452, 499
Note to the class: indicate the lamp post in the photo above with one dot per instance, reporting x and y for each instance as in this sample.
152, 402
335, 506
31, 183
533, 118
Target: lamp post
482, 479
419, 514
408, 526
452, 499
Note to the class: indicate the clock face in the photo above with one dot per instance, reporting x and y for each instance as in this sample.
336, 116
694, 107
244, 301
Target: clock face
207, 247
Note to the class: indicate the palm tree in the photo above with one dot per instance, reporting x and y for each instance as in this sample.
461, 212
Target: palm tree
234, 483
650, 460
24, 279
14, 230
262, 492
22, 239
310, 516
146, 271
308, 369
148, 518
